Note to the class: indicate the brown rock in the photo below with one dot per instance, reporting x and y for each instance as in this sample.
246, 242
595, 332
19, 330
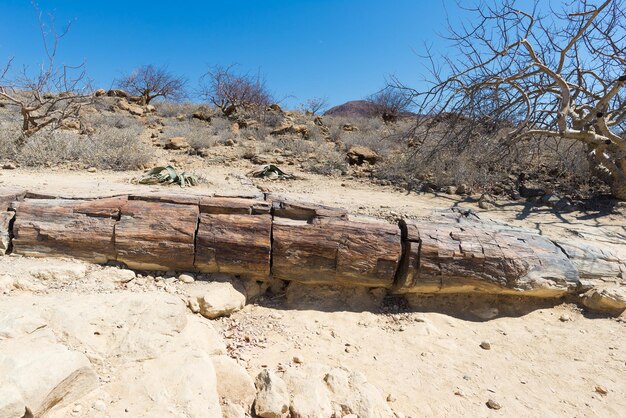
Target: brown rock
176, 143
202, 115
358, 154
100, 93
117, 93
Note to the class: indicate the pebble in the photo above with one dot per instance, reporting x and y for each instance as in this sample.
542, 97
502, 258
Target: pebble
9, 166
565, 318
77, 408
601, 390
186, 278
99, 405
391, 398
92, 169
493, 404
297, 360
485, 345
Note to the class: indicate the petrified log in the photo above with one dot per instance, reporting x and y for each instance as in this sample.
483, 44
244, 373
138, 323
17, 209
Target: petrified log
235, 244
56, 227
335, 252
304, 211
477, 256
9, 195
156, 236
234, 206
5, 232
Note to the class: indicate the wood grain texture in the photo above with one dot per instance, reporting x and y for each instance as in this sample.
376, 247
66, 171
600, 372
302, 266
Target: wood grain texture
57, 227
336, 252
156, 236
234, 206
481, 256
234, 244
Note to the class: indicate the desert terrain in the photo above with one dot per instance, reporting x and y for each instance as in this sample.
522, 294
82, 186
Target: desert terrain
144, 353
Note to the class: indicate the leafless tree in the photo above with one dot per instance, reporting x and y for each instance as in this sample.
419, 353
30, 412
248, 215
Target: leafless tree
537, 73
51, 95
390, 102
149, 82
231, 91
314, 105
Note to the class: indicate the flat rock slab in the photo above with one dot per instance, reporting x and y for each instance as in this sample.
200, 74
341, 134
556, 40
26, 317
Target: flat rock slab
156, 236
336, 252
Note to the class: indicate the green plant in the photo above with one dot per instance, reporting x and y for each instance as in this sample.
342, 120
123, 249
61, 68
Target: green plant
168, 175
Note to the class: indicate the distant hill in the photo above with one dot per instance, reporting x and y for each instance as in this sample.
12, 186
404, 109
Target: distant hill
358, 108
351, 109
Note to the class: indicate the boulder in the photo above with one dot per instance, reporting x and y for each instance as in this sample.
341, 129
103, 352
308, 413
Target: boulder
272, 399
179, 383
133, 109
358, 154
201, 115
302, 130
234, 384
216, 299
611, 300
112, 274
100, 93
176, 143
117, 93
230, 410
45, 374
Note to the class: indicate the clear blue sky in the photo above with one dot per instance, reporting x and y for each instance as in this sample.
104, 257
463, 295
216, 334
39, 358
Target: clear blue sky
341, 49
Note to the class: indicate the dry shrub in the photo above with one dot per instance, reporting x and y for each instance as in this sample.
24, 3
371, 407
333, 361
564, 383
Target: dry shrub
9, 133
112, 148
171, 110
330, 163
197, 134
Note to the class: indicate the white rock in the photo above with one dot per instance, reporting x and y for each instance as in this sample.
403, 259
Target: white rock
217, 299
186, 278
112, 274
99, 405
45, 374
234, 384
310, 397
179, 383
272, 400
59, 270
11, 403
230, 410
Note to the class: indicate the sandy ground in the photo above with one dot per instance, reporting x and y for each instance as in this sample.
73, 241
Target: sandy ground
547, 362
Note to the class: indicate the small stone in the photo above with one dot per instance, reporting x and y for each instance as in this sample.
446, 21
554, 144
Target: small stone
485, 345
9, 166
565, 318
601, 390
92, 169
297, 360
391, 398
491, 404
186, 278
99, 405
77, 408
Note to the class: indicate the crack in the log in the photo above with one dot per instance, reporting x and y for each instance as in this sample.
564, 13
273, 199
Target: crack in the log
195, 239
